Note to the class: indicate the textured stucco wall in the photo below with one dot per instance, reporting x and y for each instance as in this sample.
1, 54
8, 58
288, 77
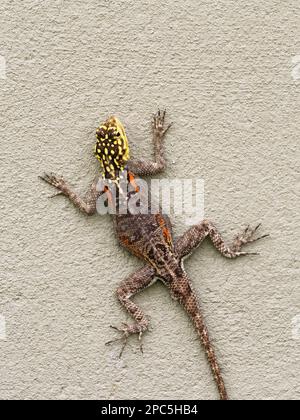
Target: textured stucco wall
224, 70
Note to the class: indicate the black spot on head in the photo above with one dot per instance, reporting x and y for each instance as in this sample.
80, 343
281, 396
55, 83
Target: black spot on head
100, 133
110, 133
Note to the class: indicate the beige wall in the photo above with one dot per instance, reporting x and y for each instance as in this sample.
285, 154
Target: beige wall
224, 71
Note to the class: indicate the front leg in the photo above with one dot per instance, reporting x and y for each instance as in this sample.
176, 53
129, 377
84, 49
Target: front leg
86, 205
144, 167
191, 239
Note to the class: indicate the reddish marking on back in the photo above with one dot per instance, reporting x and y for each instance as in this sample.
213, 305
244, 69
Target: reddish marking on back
109, 195
165, 231
128, 244
132, 181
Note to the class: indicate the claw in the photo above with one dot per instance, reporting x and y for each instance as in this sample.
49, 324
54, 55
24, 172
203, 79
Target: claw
123, 347
257, 227
108, 343
48, 179
169, 126
141, 344
162, 116
114, 328
44, 178
244, 254
122, 330
263, 236
55, 195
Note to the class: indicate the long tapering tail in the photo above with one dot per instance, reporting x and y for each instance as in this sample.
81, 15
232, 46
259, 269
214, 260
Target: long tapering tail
182, 291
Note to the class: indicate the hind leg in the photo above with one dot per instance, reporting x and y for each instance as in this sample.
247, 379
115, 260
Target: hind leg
192, 238
132, 285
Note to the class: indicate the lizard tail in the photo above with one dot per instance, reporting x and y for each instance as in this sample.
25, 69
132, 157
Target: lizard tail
182, 291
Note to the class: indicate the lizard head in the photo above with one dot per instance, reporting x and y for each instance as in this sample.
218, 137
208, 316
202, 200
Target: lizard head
111, 148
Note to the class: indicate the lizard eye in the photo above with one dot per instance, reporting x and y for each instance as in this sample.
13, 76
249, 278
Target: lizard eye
118, 134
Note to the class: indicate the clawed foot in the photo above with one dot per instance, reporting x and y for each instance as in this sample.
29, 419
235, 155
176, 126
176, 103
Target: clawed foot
159, 122
247, 237
56, 181
126, 330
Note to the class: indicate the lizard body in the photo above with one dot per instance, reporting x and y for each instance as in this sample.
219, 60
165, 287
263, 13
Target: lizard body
149, 236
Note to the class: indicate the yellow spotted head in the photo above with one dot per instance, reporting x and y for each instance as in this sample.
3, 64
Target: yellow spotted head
112, 148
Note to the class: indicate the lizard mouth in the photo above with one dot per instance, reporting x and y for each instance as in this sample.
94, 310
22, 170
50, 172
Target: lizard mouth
112, 148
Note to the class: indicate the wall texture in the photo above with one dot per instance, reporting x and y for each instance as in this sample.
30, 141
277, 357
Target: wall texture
228, 73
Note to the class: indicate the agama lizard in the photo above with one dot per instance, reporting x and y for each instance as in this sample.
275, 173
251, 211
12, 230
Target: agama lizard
149, 236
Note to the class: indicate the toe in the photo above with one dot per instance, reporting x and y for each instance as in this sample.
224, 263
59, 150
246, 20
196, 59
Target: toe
257, 227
